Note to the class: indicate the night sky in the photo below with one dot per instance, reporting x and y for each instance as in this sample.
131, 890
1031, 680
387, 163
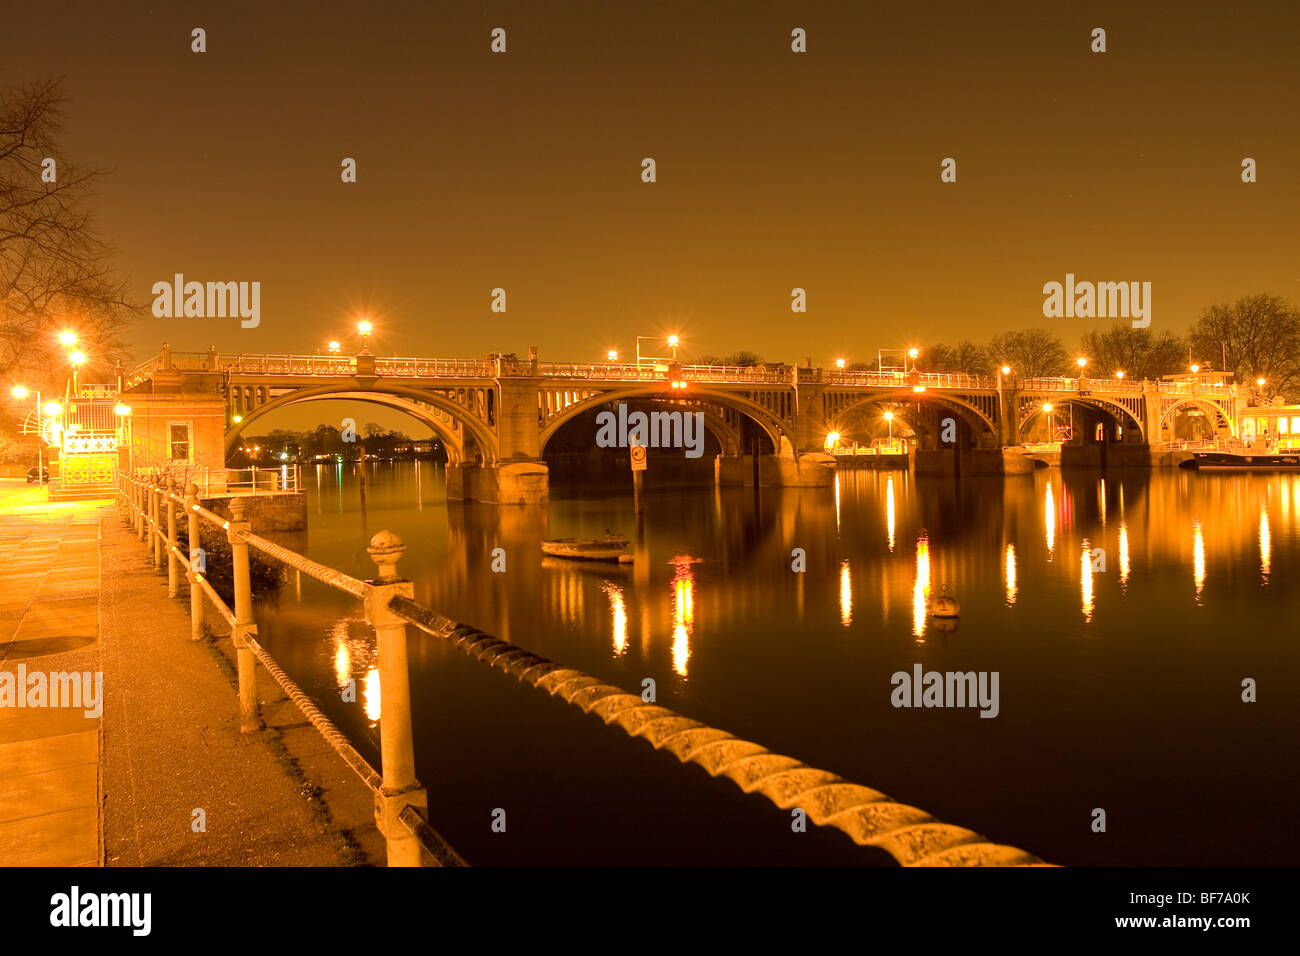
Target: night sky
775, 170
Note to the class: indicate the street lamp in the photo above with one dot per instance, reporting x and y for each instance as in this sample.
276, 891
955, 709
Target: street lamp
1119, 374
1195, 369
1006, 370
839, 364
68, 337
334, 347
912, 354
832, 439
672, 343
365, 328
889, 417
613, 355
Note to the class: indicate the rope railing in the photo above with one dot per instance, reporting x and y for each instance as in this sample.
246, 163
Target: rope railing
870, 818
910, 835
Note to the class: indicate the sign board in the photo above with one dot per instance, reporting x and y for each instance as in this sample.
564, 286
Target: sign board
638, 457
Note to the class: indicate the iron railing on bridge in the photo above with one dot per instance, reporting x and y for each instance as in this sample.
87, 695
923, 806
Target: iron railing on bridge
400, 367
870, 818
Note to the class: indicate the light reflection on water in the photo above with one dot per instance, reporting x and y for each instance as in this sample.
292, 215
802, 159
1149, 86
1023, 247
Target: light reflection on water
717, 602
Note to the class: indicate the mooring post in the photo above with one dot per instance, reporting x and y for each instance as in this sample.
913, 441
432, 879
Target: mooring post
397, 748
250, 721
173, 566
196, 562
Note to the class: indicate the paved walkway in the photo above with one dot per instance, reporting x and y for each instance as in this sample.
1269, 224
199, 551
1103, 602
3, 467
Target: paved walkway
49, 623
123, 788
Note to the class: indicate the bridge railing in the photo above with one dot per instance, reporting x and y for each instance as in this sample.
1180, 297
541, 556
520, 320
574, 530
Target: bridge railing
435, 368
870, 818
904, 379
631, 372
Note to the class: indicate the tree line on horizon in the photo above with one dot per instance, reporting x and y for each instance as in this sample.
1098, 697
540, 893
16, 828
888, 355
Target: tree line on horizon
1257, 336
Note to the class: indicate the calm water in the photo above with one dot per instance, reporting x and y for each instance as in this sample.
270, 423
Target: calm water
1119, 689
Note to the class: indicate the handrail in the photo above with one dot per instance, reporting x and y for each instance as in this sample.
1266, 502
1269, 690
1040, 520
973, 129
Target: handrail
145, 502
910, 835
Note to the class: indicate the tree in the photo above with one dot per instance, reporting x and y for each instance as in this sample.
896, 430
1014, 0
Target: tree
1030, 353
54, 268
1135, 352
743, 358
965, 357
1258, 335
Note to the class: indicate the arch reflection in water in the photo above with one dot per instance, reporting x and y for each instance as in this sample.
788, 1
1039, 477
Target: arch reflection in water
1010, 573
921, 587
683, 613
846, 594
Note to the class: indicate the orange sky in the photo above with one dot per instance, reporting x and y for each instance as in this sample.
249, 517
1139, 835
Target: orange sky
775, 170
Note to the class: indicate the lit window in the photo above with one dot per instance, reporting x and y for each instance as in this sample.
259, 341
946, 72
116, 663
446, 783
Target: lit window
180, 442
1281, 426
1295, 426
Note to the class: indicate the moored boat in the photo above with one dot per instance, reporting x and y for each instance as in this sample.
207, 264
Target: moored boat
611, 548
1244, 461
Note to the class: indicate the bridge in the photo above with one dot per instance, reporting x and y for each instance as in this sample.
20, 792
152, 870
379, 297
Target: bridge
496, 415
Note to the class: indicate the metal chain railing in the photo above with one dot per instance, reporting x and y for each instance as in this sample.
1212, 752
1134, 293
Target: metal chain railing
398, 795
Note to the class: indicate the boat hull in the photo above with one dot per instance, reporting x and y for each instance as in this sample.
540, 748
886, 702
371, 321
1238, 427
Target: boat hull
1225, 461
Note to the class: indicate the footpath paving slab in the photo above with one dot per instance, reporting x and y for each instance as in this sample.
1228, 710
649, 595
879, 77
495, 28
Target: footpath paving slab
78, 593
49, 755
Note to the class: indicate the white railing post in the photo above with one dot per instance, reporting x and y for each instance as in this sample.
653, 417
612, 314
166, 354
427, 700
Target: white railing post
397, 748
154, 524
197, 564
250, 720
173, 565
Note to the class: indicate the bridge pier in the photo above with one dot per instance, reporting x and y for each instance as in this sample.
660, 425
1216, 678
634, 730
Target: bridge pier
509, 483
809, 470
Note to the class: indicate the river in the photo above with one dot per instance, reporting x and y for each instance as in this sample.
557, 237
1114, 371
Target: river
1120, 674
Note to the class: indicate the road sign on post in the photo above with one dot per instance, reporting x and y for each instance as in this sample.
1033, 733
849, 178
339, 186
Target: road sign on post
638, 457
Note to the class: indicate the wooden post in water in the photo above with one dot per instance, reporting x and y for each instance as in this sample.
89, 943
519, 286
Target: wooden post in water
638, 457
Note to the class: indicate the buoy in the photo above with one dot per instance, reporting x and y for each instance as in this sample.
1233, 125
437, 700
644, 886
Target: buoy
944, 606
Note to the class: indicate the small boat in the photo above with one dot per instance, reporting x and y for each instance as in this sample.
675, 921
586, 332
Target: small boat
1243, 461
612, 547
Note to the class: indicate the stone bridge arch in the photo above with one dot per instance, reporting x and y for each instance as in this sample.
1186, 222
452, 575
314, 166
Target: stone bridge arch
978, 415
464, 437
1208, 406
1119, 410
772, 426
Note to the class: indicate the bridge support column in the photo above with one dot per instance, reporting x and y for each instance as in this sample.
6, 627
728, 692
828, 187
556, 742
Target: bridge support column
509, 483
1008, 412
809, 470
